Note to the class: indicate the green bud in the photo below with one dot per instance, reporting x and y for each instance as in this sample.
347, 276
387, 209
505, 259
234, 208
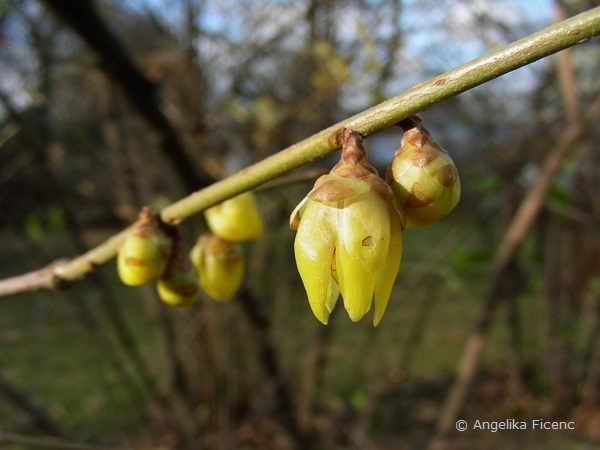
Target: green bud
220, 265
144, 253
179, 284
423, 177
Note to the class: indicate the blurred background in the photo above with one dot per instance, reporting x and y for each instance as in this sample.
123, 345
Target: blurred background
109, 105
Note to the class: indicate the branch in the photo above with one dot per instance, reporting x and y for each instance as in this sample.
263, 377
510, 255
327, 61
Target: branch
41, 442
83, 17
40, 416
548, 41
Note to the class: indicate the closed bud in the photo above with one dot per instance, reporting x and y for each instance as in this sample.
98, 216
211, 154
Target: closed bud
423, 177
220, 266
145, 251
179, 284
236, 219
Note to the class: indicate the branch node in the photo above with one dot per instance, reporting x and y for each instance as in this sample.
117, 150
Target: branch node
410, 122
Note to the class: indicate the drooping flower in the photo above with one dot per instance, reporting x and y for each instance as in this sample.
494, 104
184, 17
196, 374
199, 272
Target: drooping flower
349, 238
179, 285
220, 266
236, 219
423, 176
144, 253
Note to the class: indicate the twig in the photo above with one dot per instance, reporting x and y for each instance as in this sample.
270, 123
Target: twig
47, 443
84, 18
283, 397
32, 281
550, 40
39, 415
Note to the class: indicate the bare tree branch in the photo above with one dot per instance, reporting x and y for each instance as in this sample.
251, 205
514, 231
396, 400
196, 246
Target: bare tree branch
520, 224
37, 413
117, 64
44, 443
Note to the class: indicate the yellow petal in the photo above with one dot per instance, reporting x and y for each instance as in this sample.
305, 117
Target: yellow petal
297, 214
443, 170
412, 185
333, 298
446, 202
364, 230
356, 283
388, 272
314, 247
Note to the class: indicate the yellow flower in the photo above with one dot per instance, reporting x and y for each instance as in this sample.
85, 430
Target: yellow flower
145, 251
423, 176
179, 285
236, 219
349, 238
220, 266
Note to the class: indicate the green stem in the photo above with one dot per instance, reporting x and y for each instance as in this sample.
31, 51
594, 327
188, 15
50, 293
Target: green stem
550, 40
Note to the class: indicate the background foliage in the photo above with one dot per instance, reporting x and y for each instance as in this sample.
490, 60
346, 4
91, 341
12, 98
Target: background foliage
236, 81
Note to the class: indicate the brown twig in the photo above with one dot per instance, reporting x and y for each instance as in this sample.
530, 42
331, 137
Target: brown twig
32, 281
45, 443
39, 415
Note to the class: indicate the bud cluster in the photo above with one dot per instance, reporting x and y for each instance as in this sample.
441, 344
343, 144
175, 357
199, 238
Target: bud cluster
215, 264
149, 253
349, 226
349, 231
217, 254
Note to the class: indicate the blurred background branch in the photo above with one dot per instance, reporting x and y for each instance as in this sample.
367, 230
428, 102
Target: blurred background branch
114, 60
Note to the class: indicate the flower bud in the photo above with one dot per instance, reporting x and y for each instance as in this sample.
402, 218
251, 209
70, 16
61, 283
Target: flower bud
423, 176
220, 266
236, 219
145, 251
179, 284
349, 238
